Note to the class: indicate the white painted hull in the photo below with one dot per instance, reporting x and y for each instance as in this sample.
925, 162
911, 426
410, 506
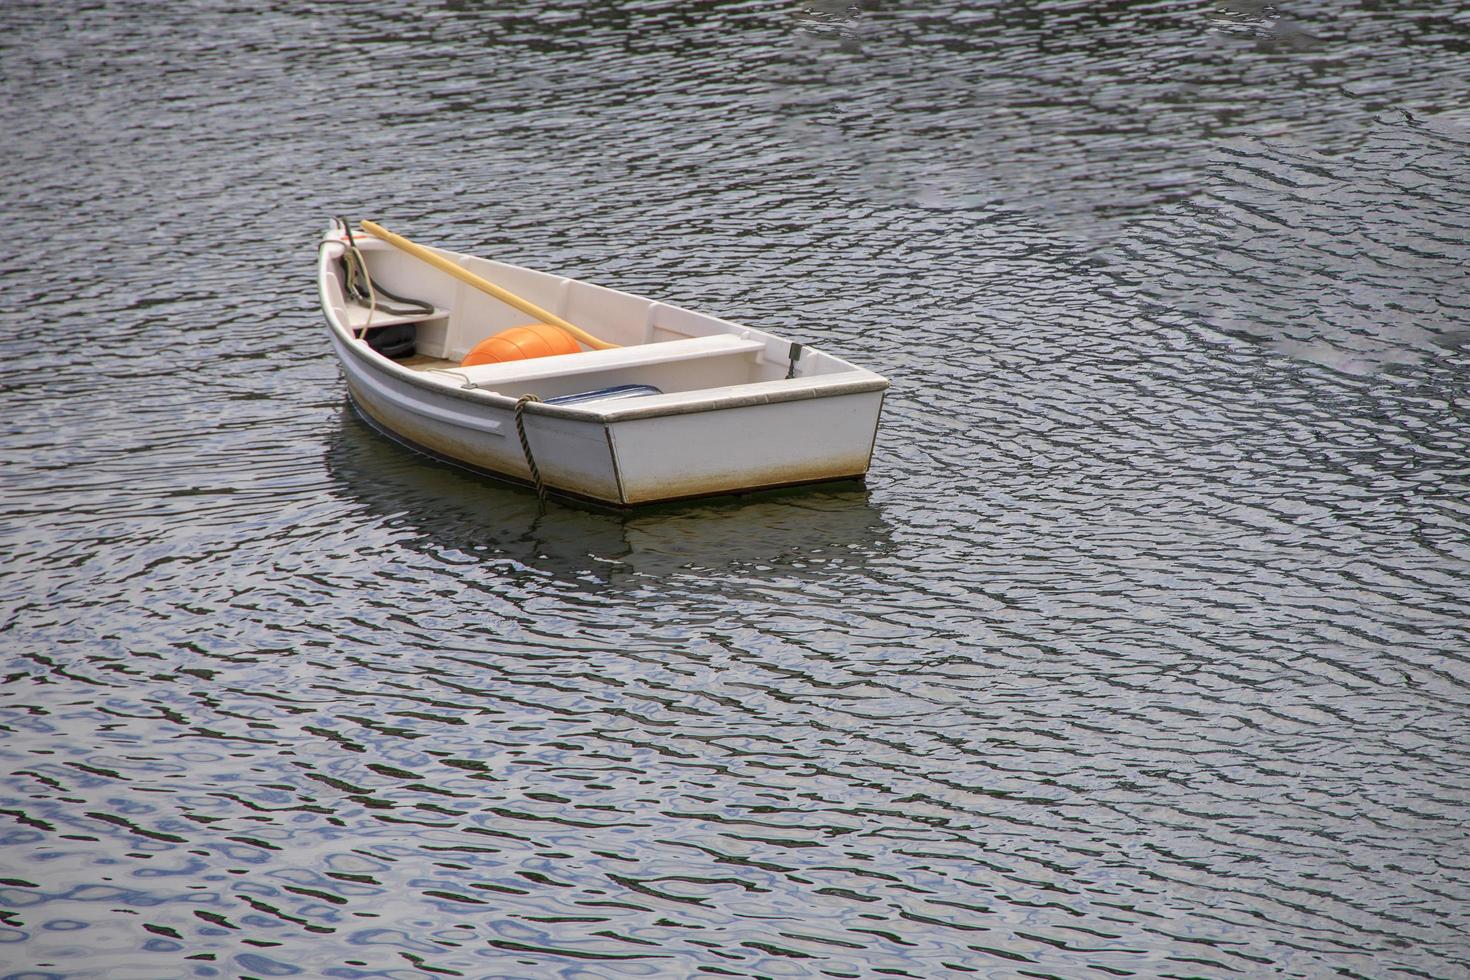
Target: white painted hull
700, 439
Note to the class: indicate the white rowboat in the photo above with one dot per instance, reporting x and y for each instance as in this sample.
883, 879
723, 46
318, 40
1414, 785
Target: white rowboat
736, 409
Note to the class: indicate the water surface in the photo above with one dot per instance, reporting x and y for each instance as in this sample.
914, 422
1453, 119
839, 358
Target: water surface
1144, 651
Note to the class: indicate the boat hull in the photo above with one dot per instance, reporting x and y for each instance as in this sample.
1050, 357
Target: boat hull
625, 460
725, 409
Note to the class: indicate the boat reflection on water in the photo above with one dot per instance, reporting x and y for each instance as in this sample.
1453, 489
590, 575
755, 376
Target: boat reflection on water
795, 532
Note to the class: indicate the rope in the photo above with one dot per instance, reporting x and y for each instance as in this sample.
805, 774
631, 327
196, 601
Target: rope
354, 268
526, 446
354, 265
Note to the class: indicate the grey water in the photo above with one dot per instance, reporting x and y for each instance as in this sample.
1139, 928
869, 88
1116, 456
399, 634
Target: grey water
1144, 650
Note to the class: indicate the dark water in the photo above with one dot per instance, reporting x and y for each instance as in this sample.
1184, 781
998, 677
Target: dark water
1145, 651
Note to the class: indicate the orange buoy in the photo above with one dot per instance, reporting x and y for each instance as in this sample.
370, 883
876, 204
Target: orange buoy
519, 343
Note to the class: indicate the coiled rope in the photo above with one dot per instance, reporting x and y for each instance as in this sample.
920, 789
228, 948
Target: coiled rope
526, 446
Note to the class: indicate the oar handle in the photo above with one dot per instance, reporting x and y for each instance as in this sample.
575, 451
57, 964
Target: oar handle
485, 285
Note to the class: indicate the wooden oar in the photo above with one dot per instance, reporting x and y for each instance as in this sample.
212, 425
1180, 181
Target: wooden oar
485, 285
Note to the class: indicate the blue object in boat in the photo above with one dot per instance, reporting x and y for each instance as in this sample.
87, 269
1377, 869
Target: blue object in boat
605, 394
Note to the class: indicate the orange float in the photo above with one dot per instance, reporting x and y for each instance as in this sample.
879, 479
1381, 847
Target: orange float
519, 343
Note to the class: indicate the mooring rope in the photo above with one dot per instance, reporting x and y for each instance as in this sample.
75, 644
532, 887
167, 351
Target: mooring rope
526, 446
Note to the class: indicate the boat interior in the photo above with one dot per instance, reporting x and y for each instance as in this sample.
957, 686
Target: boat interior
663, 350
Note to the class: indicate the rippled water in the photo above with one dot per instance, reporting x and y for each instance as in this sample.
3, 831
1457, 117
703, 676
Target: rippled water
1145, 650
